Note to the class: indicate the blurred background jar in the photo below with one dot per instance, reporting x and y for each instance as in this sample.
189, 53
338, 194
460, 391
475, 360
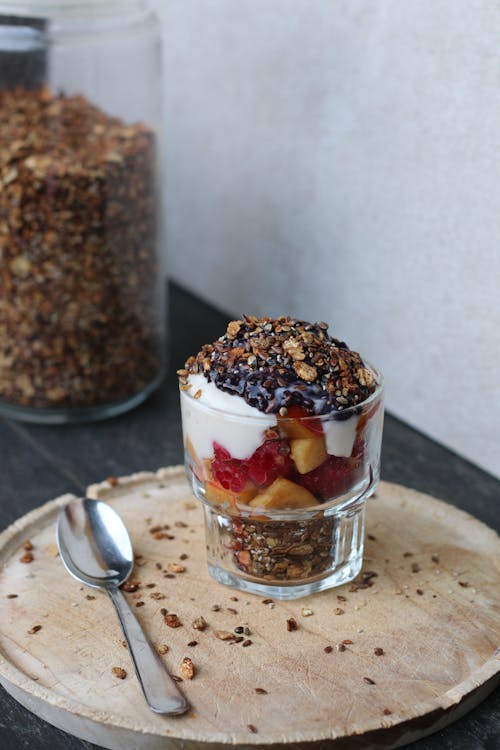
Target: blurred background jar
82, 294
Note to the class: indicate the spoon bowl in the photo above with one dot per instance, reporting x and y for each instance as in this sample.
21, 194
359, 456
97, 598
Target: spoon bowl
94, 543
96, 549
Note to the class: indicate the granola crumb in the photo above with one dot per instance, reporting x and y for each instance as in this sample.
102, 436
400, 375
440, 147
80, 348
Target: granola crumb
415, 567
199, 623
291, 624
162, 649
157, 596
435, 558
172, 621
224, 635
119, 672
27, 558
339, 611
306, 612
176, 568
163, 611
340, 646
187, 668
113, 481
28, 546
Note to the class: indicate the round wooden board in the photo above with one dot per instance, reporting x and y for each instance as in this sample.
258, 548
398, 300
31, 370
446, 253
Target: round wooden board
438, 623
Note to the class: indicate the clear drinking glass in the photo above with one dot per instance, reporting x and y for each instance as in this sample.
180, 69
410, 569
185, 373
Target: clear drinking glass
288, 519
82, 293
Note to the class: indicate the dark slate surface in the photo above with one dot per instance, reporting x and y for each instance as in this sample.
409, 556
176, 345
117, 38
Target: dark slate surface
38, 463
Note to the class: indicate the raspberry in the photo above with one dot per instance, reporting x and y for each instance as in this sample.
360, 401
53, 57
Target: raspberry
333, 477
270, 461
230, 473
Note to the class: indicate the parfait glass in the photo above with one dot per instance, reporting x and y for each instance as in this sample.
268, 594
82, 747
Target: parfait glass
284, 497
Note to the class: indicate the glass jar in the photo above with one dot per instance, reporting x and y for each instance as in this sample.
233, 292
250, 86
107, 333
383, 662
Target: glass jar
288, 519
82, 294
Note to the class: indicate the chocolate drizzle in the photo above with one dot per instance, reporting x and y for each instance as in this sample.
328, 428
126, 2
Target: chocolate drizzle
276, 364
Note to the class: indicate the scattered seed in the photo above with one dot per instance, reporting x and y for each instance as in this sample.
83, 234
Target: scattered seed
339, 611
27, 545
176, 568
267, 601
12, 596
157, 596
420, 592
124, 644
34, 629
129, 586
162, 649
435, 558
341, 598
192, 643
113, 481
90, 597
158, 566
119, 672
215, 607
252, 729
340, 647
232, 611
347, 642
261, 691
183, 556
163, 611
463, 584
407, 554
379, 651
369, 681
187, 669
172, 621
328, 649
199, 624
236, 640
415, 567
27, 558
223, 635
176, 678
234, 598
291, 624
150, 585
246, 643
371, 537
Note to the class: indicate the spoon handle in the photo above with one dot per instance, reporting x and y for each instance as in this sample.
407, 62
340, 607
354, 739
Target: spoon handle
161, 693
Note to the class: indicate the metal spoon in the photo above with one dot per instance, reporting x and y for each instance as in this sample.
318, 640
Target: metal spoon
96, 549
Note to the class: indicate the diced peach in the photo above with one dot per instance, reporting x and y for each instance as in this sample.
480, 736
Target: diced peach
308, 453
218, 495
296, 428
195, 461
284, 494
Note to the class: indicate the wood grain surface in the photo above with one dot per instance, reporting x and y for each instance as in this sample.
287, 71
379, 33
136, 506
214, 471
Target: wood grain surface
433, 608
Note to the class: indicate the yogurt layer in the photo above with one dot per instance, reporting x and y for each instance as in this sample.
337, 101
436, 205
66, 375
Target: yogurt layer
238, 436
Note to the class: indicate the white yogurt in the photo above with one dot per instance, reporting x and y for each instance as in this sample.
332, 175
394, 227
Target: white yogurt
239, 436
340, 436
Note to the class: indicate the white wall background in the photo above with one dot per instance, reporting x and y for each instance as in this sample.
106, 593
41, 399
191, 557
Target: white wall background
340, 160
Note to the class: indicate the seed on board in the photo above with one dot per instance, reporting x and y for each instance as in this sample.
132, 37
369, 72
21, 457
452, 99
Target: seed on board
12, 596
387, 712
162, 649
223, 635
252, 729
261, 691
232, 610
27, 545
291, 624
379, 651
369, 681
27, 558
193, 643
415, 567
246, 643
340, 646
157, 596
34, 629
176, 568
328, 649
339, 611
187, 668
199, 624
215, 607
119, 672
172, 621
435, 558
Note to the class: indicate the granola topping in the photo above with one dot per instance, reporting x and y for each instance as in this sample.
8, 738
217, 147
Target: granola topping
277, 363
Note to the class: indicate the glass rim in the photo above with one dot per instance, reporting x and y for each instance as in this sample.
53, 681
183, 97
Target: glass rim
337, 415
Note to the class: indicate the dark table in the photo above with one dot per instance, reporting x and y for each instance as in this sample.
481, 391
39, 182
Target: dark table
38, 463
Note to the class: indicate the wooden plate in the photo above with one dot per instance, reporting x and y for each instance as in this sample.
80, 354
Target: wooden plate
433, 608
